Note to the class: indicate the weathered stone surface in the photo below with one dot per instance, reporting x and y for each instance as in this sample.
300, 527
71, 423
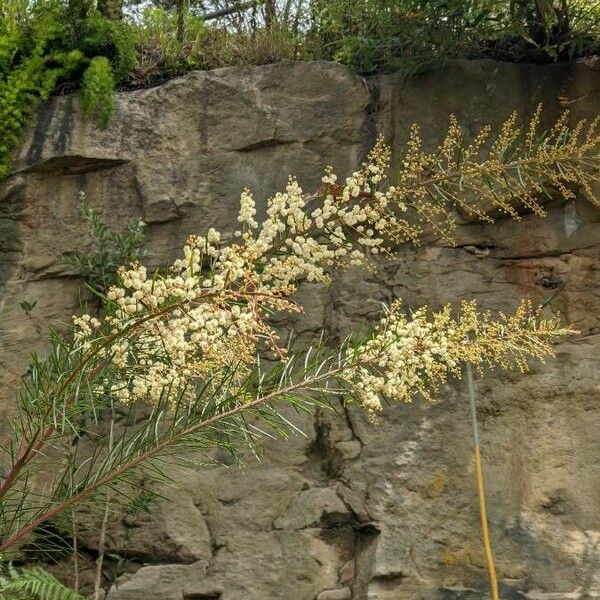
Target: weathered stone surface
164, 582
386, 511
311, 508
174, 531
339, 594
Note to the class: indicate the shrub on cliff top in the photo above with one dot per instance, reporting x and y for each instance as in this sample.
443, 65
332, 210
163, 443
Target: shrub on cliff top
412, 35
50, 46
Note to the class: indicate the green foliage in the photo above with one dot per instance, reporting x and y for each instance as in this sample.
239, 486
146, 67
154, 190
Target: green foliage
373, 36
27, 307
33, 584
48, 43
97, 89
413, 35
109, 249
160, 52
33, 59
111, 9
98, 36
546, 29
53, 45
367, 35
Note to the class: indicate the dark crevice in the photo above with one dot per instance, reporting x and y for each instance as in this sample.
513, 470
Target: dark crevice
12, 201
349, 536
394, 577
549, 282
74, 164
323, 459
366, 535
268, 143
351, 427
369, 128
485, 251
39, 135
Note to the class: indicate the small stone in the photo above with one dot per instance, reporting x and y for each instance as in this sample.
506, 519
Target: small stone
350, 449
340, 594
308, 508
347, 572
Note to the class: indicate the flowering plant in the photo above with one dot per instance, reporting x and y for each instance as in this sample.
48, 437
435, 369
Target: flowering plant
183, 354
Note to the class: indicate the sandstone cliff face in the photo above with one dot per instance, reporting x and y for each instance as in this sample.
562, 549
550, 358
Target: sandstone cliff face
352, 510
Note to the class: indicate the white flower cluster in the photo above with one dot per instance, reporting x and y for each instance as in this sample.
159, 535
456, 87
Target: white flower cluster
415, 354
212, 312
247, 209
407, 355
85, 325
195, 329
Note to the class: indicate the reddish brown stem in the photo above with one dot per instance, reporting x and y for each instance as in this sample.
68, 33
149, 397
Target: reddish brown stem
134, 462
39, 439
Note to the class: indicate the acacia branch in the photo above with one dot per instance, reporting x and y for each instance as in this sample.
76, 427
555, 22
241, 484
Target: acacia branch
42, 436
154, 451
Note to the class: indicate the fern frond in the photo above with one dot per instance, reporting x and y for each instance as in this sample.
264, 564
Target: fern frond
35, 584
97, 89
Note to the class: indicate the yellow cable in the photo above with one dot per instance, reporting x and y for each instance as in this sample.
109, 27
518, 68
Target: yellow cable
484, 527
480, 490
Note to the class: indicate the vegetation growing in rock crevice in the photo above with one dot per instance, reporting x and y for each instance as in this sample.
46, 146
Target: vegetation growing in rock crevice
108, 250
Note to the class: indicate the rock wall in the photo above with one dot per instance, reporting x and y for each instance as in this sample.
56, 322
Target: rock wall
352, 510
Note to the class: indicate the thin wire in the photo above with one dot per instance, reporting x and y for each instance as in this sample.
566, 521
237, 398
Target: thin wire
480, 488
